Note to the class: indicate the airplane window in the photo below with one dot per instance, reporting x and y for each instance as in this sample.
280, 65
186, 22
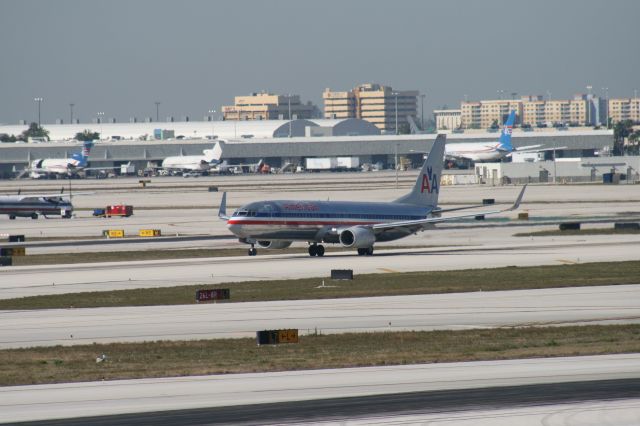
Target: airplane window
242, 213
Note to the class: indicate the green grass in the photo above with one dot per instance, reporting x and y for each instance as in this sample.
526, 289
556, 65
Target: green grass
133, 255
169, 359
569, 232
387, 284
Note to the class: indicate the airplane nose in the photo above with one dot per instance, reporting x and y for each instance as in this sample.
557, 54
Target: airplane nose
235, 229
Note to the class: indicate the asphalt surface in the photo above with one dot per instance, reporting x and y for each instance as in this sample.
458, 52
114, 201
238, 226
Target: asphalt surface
381, 409
332, 395
455, 311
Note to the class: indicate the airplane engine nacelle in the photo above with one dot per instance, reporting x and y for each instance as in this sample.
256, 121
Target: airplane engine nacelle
274, 245
357, 237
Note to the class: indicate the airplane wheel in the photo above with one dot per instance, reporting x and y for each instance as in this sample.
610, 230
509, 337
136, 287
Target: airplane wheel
12, 217
320, 251
34, 215
313, 250
253, 252
362, 251
369, 251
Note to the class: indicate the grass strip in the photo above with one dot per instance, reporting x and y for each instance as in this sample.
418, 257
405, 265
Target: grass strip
570, 232
134, 255
366, 285
170, 359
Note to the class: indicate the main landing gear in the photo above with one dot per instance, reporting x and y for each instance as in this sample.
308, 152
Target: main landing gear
316, 250
252, 251
367, 251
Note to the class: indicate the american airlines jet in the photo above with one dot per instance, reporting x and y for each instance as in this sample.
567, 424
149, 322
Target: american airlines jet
33, 205
488, 151
358, 225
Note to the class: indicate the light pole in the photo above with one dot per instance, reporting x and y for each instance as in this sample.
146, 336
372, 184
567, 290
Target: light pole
396, 96
606, 105
157, 110
212, 111
500, 92
289, 103
422, 110
396, 164
71, 113
39, 102
100, 118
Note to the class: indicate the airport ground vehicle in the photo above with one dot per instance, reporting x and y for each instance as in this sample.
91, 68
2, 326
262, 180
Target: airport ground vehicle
114, 210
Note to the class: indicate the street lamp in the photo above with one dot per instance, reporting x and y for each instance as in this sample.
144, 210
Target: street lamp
100, 119
396, 96
39, 101
71, 113
157, 110
212, 111
422, 110
289, 103
396, 164
606, 105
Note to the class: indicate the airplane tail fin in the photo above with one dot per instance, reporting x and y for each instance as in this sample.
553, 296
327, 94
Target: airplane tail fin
427, 187
505, 136
82, 157
214, 155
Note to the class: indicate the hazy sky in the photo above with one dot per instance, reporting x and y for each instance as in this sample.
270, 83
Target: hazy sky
120, 56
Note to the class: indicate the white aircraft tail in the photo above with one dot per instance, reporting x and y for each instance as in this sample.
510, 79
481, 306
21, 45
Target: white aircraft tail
214, 155
427, 187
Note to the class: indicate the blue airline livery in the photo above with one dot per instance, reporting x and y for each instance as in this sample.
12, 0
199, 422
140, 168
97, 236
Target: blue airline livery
489, 151
359, 225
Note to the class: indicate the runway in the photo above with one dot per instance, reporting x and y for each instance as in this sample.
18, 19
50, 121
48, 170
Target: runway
557, 306
375, 393
59, 279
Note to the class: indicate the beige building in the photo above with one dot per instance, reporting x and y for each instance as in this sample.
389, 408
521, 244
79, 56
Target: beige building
267, 106
571, 111
531, 110
378, 104
624, 109
483, 114
447, 119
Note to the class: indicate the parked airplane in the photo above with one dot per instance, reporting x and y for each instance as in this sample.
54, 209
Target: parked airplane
60, 166
359, 225
195, 163
33, 205
488, 151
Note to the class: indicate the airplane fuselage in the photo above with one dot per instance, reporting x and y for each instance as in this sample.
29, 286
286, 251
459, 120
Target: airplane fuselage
26, 206
319, 221
476, 151
187, 162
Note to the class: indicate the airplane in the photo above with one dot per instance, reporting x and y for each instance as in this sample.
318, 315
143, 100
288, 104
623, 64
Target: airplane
34, 205
60, 166
488, 151
276, 224
194, 163
225, 168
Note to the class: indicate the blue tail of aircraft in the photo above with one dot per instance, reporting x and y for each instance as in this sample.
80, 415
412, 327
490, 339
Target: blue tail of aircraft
505, 136
82, 157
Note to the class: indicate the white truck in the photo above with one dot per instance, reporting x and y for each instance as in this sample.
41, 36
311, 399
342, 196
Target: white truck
332, 164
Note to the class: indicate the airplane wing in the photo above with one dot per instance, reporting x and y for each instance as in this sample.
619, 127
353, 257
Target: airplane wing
416, 225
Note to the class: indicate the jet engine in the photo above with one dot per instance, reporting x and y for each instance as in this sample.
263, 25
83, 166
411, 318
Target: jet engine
358, 237
274, 245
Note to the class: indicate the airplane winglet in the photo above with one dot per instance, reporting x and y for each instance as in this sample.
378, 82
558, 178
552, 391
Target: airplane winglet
518, 200
222, 213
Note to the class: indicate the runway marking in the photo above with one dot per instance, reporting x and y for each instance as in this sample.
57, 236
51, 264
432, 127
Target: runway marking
567, 262
388, 270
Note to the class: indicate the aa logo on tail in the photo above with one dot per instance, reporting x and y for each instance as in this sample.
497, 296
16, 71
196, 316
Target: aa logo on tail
430, 182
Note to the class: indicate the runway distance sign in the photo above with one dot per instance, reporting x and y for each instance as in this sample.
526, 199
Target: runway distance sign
215, 294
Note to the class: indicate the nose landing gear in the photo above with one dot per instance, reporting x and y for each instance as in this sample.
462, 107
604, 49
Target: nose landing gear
252, 251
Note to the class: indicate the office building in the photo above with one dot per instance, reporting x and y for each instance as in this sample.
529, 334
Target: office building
267, 106
380, 105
